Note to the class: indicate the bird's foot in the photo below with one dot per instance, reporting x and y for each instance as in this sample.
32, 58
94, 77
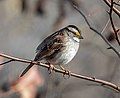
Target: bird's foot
66, 72
51, 67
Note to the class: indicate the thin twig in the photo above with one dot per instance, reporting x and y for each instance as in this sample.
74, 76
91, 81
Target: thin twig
6, 62
116, 4
93, 79
114, 9
113, 26
99, 33
105, 26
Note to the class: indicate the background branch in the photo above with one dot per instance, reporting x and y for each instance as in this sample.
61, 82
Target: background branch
99, 33
93, 79
7, 62
112, 23
114, 9
116, 4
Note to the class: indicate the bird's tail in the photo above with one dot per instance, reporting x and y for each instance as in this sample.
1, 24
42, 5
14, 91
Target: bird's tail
26, 70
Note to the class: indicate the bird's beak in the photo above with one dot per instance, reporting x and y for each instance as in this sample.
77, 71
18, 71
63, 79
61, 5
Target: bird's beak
81, 37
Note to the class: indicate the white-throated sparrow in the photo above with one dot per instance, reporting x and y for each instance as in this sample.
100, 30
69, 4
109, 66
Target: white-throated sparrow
58, 48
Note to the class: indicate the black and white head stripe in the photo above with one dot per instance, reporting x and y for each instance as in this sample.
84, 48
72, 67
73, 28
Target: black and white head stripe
73, 29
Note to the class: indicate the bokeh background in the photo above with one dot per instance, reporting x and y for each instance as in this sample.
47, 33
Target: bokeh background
25, 23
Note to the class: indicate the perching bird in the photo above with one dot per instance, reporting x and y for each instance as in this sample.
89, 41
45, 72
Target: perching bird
58, 48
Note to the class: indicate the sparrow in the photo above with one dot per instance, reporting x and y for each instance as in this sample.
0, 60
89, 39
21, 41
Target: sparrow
59, 48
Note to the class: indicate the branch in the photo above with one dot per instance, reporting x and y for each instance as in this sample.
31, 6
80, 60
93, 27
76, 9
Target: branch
116, 4
114, 9
6, 62
99, 33
113, 26
93, 79
105, 26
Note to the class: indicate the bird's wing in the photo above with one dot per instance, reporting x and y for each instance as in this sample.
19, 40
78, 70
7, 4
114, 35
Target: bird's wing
49, 45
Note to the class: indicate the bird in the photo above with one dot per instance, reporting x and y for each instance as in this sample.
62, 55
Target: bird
58, 48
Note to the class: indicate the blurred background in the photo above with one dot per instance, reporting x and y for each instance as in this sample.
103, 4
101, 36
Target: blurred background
25, 23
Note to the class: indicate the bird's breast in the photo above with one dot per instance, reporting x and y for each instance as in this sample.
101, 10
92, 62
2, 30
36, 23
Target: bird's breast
67, 54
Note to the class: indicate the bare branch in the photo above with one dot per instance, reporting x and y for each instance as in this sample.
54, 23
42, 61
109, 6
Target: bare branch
116, 4
99, 33
6, 62
114, 9
111, 20
105, 26
93, 79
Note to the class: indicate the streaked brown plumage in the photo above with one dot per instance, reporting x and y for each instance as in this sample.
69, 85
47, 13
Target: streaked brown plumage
58, 48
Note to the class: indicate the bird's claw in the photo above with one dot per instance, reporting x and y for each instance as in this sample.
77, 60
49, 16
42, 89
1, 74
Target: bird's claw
67, 72
50, 68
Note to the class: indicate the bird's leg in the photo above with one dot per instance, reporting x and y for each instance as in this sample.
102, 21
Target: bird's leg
67, 72
51, 67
